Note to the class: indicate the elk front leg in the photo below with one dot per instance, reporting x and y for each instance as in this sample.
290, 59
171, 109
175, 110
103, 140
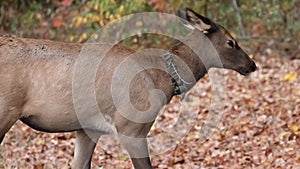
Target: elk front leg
139, 163
138, 151
84, 148
133, 136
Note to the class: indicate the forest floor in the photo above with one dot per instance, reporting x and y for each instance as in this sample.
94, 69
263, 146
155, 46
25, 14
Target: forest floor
260, 128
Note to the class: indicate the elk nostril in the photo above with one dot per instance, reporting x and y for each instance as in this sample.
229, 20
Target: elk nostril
254, 66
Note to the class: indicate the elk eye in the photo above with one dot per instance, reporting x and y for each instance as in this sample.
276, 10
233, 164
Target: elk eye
230, 43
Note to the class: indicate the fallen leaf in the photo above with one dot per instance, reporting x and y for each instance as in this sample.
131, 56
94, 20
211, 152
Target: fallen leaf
290, 76
294, 128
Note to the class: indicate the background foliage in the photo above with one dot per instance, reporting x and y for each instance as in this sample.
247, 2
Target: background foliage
75, 21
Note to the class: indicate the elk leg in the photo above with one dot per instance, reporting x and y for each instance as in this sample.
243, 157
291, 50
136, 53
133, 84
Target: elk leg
140, 163
7, 119
12, 96
84, 148
138, 151
1, 139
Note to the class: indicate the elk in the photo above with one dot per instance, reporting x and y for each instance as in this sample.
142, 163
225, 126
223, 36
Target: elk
36, 86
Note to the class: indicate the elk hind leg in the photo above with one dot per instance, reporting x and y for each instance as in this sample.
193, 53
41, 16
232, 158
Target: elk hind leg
8, 116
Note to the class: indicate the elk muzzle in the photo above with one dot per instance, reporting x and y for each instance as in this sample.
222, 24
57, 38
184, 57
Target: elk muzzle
251, 67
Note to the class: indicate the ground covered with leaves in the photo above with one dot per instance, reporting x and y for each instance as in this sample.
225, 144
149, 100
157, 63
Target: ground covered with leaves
260, 128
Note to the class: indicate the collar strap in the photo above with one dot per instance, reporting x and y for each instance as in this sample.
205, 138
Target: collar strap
180, 86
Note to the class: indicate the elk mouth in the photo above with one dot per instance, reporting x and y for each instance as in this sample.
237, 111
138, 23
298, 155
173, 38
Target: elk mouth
244, 72
247, 71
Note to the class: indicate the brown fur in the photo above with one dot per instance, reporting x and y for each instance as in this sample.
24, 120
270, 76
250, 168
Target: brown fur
36, 87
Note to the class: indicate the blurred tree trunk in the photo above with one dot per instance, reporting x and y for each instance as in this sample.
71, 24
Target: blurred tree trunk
239, 18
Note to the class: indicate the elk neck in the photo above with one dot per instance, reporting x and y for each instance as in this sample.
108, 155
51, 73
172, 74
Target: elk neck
193, 53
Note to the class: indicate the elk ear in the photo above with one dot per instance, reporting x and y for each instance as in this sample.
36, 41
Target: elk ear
183, 17
198, 21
